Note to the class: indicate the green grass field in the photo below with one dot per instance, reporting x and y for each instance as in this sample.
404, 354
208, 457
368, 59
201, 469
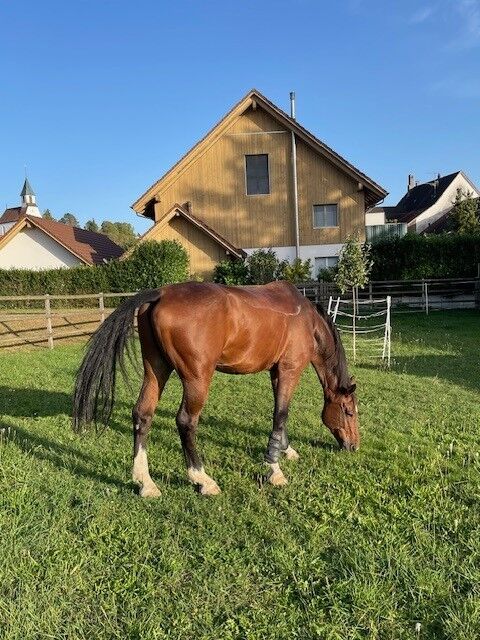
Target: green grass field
383, 543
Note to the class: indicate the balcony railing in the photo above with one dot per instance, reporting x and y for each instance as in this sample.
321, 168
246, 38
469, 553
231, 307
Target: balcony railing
393, 229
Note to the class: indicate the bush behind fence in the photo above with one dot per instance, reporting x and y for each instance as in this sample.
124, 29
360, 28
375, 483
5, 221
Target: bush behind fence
151, 265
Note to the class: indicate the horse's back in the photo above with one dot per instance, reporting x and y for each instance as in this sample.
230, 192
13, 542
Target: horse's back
235, 329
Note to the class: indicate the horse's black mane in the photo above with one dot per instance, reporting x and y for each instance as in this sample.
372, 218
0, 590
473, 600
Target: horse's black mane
337, 360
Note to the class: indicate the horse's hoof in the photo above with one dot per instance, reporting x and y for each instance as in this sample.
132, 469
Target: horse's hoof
291, 454
150, 491
210, 489
278, 479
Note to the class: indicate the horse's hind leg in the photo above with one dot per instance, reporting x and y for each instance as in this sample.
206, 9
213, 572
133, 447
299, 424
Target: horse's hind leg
194, 396
156, 374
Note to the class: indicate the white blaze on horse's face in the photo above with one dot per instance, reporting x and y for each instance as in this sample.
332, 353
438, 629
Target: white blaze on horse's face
340, 415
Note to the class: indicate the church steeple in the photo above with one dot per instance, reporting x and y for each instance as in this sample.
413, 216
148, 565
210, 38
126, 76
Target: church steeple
29, 200
27, 193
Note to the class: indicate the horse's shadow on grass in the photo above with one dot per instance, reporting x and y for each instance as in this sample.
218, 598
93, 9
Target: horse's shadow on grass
61, 455
217, 430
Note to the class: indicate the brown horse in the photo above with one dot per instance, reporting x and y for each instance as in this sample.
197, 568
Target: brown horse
197, 328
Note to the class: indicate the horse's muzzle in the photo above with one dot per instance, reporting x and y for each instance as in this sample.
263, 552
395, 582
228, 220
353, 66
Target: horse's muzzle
349, 446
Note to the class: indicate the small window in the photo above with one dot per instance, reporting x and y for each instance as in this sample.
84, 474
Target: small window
256, 170
325, 262
325, 215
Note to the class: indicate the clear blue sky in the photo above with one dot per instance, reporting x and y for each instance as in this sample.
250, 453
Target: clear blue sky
99, 97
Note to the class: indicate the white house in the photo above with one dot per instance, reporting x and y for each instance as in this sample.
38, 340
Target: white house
27, 241
425, 203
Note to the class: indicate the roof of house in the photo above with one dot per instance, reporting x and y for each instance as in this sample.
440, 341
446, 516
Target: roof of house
27, 189
422, 197
373, 191
178, 210
12, 214
88, 246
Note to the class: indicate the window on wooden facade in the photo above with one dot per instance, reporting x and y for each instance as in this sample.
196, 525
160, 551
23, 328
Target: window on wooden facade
325, 215
325, 262
257, 178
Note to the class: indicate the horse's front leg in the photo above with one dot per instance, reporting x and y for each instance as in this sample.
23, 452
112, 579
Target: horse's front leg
194, 396
284, 382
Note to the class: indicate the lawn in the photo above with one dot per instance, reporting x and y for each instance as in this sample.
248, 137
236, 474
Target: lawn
383, 543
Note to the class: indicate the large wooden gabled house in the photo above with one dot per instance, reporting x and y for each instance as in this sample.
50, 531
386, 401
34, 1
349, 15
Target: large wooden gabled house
258, 179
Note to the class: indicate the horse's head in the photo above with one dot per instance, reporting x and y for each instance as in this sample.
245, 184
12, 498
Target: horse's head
340, 415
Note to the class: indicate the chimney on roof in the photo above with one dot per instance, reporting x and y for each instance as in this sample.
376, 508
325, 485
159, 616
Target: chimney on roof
292, 105
411, 181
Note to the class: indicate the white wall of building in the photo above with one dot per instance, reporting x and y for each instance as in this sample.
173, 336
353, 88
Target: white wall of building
33, 249
311, 252
374, 218
444, 203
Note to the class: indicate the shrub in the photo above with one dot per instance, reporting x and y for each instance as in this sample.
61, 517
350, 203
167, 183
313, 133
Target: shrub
297, 271
327, 275
231, 272
449, 255
263, 266
151, 265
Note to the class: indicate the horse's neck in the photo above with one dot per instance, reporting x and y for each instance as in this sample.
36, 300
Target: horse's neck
324, 359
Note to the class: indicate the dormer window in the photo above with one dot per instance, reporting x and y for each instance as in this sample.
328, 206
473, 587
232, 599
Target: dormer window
256, 174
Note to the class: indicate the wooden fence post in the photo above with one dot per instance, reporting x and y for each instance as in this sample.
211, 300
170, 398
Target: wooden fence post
101, 306
48, 316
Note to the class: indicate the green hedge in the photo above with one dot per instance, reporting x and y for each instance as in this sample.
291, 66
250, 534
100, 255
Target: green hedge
151, 265
413, 257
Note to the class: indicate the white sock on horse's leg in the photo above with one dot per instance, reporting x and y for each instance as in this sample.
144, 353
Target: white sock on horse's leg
275, 475
141, 475
208, 486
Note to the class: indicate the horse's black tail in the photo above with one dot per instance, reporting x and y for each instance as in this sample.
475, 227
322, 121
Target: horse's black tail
94, 393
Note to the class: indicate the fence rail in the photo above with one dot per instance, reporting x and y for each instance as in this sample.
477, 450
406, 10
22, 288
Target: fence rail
48, 324
409, 295
44, 324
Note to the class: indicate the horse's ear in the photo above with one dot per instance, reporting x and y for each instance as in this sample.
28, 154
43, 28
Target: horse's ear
347, 391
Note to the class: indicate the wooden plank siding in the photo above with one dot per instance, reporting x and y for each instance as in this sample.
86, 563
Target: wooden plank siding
203, 251
320, 182
214, 184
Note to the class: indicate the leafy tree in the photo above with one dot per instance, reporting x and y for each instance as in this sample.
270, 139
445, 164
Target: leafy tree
47, 215
91, 225
69, 218
122, 233
354, 264
465, 212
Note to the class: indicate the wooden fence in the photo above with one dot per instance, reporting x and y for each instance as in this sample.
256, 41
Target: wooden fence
48, 323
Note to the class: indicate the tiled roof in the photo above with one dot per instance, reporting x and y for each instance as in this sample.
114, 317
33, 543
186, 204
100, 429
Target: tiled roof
12, 214
419, 198
88, 246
